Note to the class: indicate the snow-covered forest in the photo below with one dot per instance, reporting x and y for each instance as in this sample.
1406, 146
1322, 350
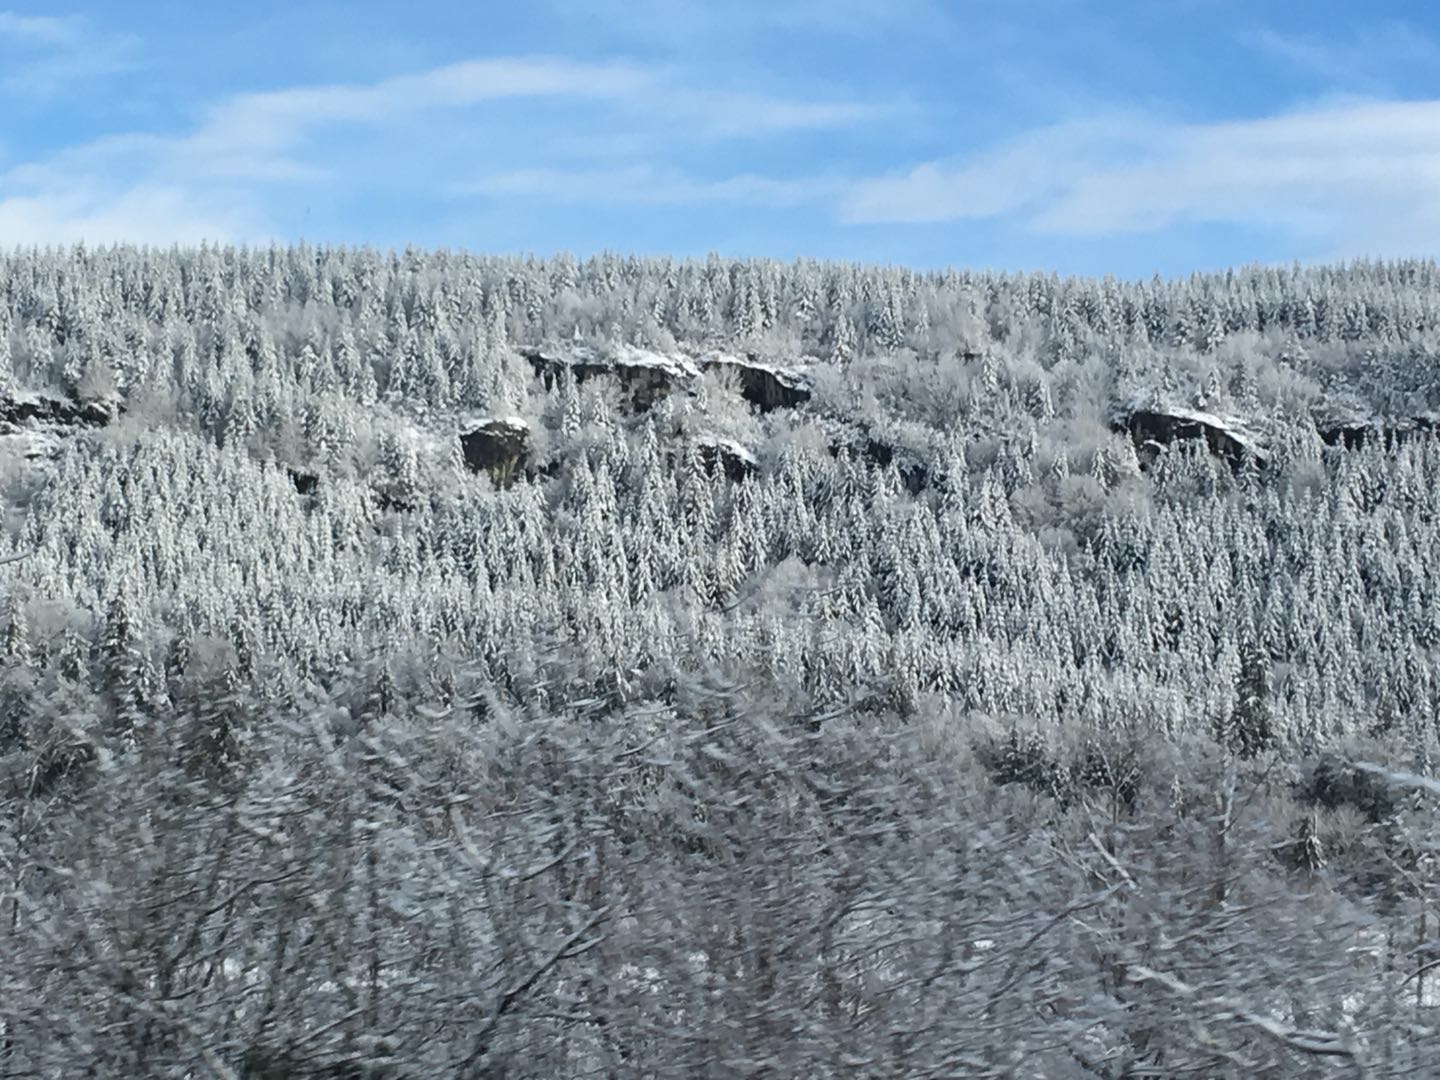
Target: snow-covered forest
424, 664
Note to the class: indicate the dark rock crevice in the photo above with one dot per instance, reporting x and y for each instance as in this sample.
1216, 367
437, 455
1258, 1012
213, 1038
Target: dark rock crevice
305, 482
766, 386
20, 408
646, 376
862, 442
728, 457
1155, 428
1357, 433
649, 376
498, 447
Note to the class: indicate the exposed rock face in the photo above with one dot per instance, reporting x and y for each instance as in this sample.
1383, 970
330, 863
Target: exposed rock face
305, 482
1158, 427
34, 425
386, 501
1346, 423
913, 472
497, 446
647, 376
858, 439
765, 386
1148, 451
1352, 436
736, 461
1353, 431
26, 407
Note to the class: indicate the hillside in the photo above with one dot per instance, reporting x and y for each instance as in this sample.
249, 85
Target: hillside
423, 664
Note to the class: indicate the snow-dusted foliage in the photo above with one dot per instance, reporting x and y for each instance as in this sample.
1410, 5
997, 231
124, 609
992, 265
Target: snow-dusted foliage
423, 665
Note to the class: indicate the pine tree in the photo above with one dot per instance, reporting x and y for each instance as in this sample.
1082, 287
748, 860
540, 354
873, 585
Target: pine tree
7, 363
1251, 728
122, 664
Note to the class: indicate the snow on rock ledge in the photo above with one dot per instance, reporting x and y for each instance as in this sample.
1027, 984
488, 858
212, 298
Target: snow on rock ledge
1158, 426
496, 445
34, 425
766, 386
737, 462
1353, 429
19, 407
650, 375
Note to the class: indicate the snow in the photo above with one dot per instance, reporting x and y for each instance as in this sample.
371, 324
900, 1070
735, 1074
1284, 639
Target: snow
790, 378
572, 355
1233, 427
21, 396
31, 443
1344, 416
1230, 425
730, 446
677, 367
621, 356
475, 423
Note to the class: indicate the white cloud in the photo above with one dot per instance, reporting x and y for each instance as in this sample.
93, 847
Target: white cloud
178, 186
1362, 177
718, 114
645, 185
1369, 56
251, 135
1020, 174
43, 29
151, 213
61, 52
154, 188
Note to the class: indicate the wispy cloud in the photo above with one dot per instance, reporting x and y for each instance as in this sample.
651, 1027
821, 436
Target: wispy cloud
680, 23
207, 182
148, 213
43, 29
250, 142
718, 114
1361, 177
646, 185
45, 54
252, 136
1369, 58
1022, 173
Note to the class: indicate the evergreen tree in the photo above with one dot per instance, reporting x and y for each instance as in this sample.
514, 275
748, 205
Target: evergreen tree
1250, 729
122, 664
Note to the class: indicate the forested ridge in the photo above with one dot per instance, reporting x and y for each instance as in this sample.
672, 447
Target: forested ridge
426, 664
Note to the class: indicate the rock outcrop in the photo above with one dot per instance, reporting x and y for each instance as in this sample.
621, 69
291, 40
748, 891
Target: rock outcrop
1158, 426
728, 456
914, 474
764, 385
305, 482
498, 446
26, 407
34, 425
647, 376
1354, 430
857, 438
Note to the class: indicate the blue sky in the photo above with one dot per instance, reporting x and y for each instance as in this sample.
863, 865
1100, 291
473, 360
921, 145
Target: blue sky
1078, 136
